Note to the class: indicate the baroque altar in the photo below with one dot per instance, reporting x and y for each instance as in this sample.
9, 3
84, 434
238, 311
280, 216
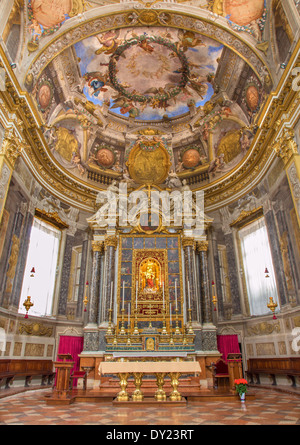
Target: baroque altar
149, 291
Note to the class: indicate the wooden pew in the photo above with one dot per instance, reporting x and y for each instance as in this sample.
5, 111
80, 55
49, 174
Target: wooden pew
288, 366
11, 369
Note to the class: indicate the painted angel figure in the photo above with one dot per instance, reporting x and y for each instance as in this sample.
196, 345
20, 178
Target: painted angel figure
96, 81
109, 41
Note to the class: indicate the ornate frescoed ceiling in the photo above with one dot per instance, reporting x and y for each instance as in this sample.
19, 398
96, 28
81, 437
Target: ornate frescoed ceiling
105, 76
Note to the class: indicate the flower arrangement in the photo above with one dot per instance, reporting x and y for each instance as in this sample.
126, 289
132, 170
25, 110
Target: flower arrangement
241, 386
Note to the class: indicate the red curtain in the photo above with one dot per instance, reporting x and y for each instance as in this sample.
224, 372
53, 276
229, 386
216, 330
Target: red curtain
71, 345
228, 344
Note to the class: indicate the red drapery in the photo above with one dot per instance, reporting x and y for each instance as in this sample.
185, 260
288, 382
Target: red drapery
228, 344
71, 345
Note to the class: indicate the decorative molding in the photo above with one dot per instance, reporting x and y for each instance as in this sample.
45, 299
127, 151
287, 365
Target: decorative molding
246, 217
52, 218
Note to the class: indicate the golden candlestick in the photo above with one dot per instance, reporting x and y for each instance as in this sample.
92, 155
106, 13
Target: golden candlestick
135, 330
177, 330
190, 326
109, 329
122, 331
164, 330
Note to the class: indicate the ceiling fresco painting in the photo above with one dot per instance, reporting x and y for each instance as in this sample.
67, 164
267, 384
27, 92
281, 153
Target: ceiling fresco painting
108, 92
149, 74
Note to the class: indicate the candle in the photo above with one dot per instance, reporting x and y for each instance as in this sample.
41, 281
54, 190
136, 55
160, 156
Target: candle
136, 295
170, 315
176, 293
164, 293
123, 294
128, 315
111, 294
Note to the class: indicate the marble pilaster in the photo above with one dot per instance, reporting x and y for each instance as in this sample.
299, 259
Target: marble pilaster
11, 260
82, 278
25, 239
65, 276
233, 273
276, 256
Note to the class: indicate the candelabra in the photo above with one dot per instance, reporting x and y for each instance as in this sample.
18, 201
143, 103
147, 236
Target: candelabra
109, 330
135, 330
122, 331
177, 330
190, 326
164, 330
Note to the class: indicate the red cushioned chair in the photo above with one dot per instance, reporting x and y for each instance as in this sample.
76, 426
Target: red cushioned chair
78, 375
220, 374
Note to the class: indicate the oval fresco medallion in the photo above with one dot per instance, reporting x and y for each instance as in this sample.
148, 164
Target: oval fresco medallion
191, 158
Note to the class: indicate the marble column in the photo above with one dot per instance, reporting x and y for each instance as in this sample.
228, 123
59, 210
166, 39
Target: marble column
188, 249
98, 249
205, 302
110, 244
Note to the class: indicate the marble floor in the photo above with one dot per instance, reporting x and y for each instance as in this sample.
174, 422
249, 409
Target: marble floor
268, 408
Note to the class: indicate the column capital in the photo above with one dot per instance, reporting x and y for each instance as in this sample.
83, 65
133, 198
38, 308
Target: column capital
188, 242
202, 246
285, 146
98, 246
111, 241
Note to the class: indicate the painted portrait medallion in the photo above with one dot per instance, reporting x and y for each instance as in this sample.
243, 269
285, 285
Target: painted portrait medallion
105, 158
191, 158
44, 95
252, 97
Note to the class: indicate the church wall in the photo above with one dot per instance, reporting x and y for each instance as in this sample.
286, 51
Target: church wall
37, 337
262, 336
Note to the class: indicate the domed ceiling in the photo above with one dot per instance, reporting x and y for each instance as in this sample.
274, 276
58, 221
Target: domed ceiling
147, 77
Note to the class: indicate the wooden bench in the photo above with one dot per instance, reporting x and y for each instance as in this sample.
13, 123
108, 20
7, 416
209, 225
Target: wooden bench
10, 369
5, 374
288, 366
